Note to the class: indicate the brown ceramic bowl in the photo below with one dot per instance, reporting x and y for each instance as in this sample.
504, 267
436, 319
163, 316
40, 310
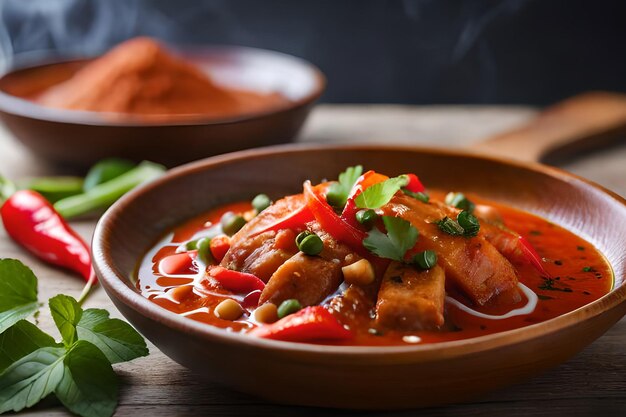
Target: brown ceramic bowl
81, 138
360, 377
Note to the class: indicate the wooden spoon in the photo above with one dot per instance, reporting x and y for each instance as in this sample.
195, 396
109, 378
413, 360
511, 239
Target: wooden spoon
589, 120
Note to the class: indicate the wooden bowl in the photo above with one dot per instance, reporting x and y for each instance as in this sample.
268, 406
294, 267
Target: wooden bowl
81, 138
360, 377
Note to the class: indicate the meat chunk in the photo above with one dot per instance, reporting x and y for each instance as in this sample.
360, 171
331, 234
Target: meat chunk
473, 265
409, 299
258, 255
309, 279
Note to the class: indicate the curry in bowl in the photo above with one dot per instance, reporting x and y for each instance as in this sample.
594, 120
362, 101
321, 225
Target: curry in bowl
371, 260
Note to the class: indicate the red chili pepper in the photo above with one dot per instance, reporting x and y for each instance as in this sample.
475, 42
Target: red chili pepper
532, 256
366, 180
332, 223
234, 281
32, 222
219, 246
307, 325
414, 185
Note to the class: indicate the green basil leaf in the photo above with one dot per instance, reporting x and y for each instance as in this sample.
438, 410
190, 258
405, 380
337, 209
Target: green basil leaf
89, 386
21, 339
379, 194
30, 379
66, 314
115, 338
401, 236
338, 192
18, 292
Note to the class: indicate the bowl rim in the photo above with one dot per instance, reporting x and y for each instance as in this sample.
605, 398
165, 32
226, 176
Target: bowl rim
113, 280
18, 106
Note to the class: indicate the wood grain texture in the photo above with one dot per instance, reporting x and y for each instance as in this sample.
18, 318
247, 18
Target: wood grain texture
592, 383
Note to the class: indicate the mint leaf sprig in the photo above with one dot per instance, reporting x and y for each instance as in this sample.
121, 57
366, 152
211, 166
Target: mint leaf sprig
78, 370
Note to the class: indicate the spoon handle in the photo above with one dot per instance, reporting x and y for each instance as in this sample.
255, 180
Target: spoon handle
586, 121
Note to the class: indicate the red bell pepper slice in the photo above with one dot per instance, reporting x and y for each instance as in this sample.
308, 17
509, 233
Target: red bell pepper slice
307, 325
332, 223
234, 281
414, 185
366, 180
294, 220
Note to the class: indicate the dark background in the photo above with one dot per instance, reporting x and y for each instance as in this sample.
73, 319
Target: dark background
422, 52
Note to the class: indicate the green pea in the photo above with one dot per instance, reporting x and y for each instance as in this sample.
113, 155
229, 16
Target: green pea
288, 307
204, 250
426, 259
301, 237
311, 245
232, 223
191, 245
469, 223
261, 202
366, 217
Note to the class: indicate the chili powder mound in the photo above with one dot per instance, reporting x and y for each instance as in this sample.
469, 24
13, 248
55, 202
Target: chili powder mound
139, 77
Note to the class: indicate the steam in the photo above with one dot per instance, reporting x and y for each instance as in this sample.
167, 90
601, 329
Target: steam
41, 26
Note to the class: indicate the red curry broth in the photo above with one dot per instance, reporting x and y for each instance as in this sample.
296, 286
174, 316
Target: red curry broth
579, 274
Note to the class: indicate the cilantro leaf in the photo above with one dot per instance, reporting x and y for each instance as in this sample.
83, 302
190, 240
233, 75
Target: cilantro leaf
400, 237
89, 386
338, 192
66, 314
115, 338
30, 379
379, 194
18, 292
21, 339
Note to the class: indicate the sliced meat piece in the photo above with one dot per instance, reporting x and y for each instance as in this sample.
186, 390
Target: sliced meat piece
473, 265
309, 279
409, 299
258, 255
262, 253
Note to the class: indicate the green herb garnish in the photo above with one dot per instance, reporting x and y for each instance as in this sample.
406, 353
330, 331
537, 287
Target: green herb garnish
338, 192
548, 285
400, 237
466, 225
588, 269
469, 223
78, 370
450, 227
459, 201
379, 194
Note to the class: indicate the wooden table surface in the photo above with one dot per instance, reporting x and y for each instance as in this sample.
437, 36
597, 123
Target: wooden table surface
592, 383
